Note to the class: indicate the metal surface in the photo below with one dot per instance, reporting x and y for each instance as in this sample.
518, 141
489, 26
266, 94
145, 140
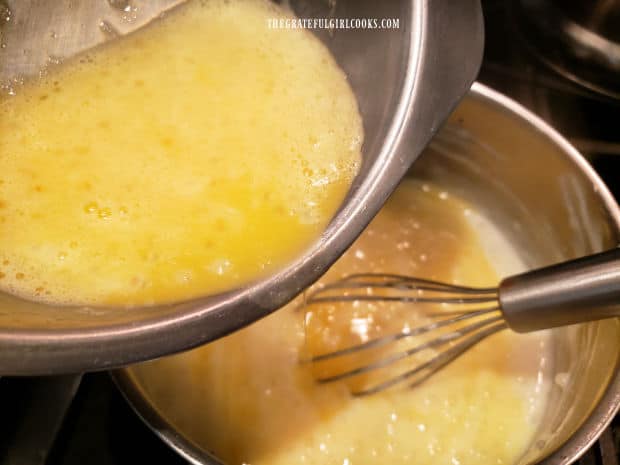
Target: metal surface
585, 289
501, 158
37, 35
406, 81
580, 39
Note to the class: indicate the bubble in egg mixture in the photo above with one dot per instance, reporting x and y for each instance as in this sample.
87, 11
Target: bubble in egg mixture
219, 144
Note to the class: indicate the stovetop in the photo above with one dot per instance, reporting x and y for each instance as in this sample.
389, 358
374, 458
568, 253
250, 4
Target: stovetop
512, 65
99, 427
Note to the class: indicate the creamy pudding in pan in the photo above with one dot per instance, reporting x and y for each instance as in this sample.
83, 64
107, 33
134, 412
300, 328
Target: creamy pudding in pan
248, 399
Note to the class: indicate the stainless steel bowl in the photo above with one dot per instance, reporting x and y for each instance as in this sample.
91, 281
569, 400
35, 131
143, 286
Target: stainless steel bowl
550, 203
406, 80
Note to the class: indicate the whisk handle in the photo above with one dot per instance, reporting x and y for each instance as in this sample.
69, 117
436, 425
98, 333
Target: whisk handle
585, 289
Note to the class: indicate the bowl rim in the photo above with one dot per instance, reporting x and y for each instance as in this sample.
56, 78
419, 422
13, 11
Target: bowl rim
427, 64
580, 440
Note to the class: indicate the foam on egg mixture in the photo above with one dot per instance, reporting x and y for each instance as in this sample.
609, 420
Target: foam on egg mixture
190, 157
249, 400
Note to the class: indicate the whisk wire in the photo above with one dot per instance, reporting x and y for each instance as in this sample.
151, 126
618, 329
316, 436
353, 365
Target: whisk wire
439, 341
384, 340
387, 298
395, 280
460, 305
450, 294
435, 364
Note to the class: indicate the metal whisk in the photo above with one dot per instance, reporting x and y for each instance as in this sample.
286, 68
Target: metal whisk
585, 289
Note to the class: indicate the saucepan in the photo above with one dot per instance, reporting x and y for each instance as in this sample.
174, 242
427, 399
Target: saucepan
552, 206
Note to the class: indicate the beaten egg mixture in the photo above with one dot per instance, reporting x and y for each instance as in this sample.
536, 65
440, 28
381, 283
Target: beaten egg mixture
247, 398
188, 158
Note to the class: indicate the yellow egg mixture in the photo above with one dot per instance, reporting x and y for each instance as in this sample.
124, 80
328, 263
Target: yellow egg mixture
190, 157
247, 398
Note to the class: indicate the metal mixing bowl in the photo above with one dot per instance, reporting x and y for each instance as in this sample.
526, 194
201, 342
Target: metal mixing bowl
548, 201
406, 81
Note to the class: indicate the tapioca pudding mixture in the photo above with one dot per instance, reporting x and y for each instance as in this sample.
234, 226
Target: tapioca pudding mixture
248, 399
